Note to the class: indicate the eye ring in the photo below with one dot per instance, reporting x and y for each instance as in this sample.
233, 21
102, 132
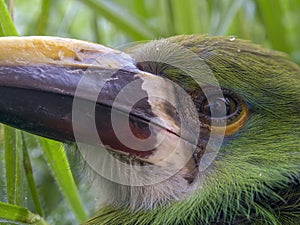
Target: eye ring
211, 107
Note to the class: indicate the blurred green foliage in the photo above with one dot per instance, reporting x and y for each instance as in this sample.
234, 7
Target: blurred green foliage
273, 24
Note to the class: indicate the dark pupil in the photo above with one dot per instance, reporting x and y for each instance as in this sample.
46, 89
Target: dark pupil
216, 107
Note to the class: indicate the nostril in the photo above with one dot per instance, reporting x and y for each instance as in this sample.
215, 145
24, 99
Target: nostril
139, 130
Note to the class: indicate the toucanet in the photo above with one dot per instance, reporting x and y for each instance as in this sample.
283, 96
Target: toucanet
189, 129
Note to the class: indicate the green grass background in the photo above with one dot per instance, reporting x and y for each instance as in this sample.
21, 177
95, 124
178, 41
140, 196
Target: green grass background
45, 188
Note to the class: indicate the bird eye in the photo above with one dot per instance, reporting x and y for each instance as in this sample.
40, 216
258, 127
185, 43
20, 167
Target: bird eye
218, 105
225, 109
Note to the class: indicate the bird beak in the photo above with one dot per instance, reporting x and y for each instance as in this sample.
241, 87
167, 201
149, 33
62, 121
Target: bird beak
70, 90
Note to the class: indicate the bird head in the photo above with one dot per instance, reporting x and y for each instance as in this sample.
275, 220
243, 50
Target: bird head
205, 129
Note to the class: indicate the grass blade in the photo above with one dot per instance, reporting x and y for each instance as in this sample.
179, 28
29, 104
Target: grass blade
166, 18
7, 27
274, 25
12, 167
134, 27
187, 16
182, 16
19, 214
57, 160
223, 14
229, 16
43, 18
30, 178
